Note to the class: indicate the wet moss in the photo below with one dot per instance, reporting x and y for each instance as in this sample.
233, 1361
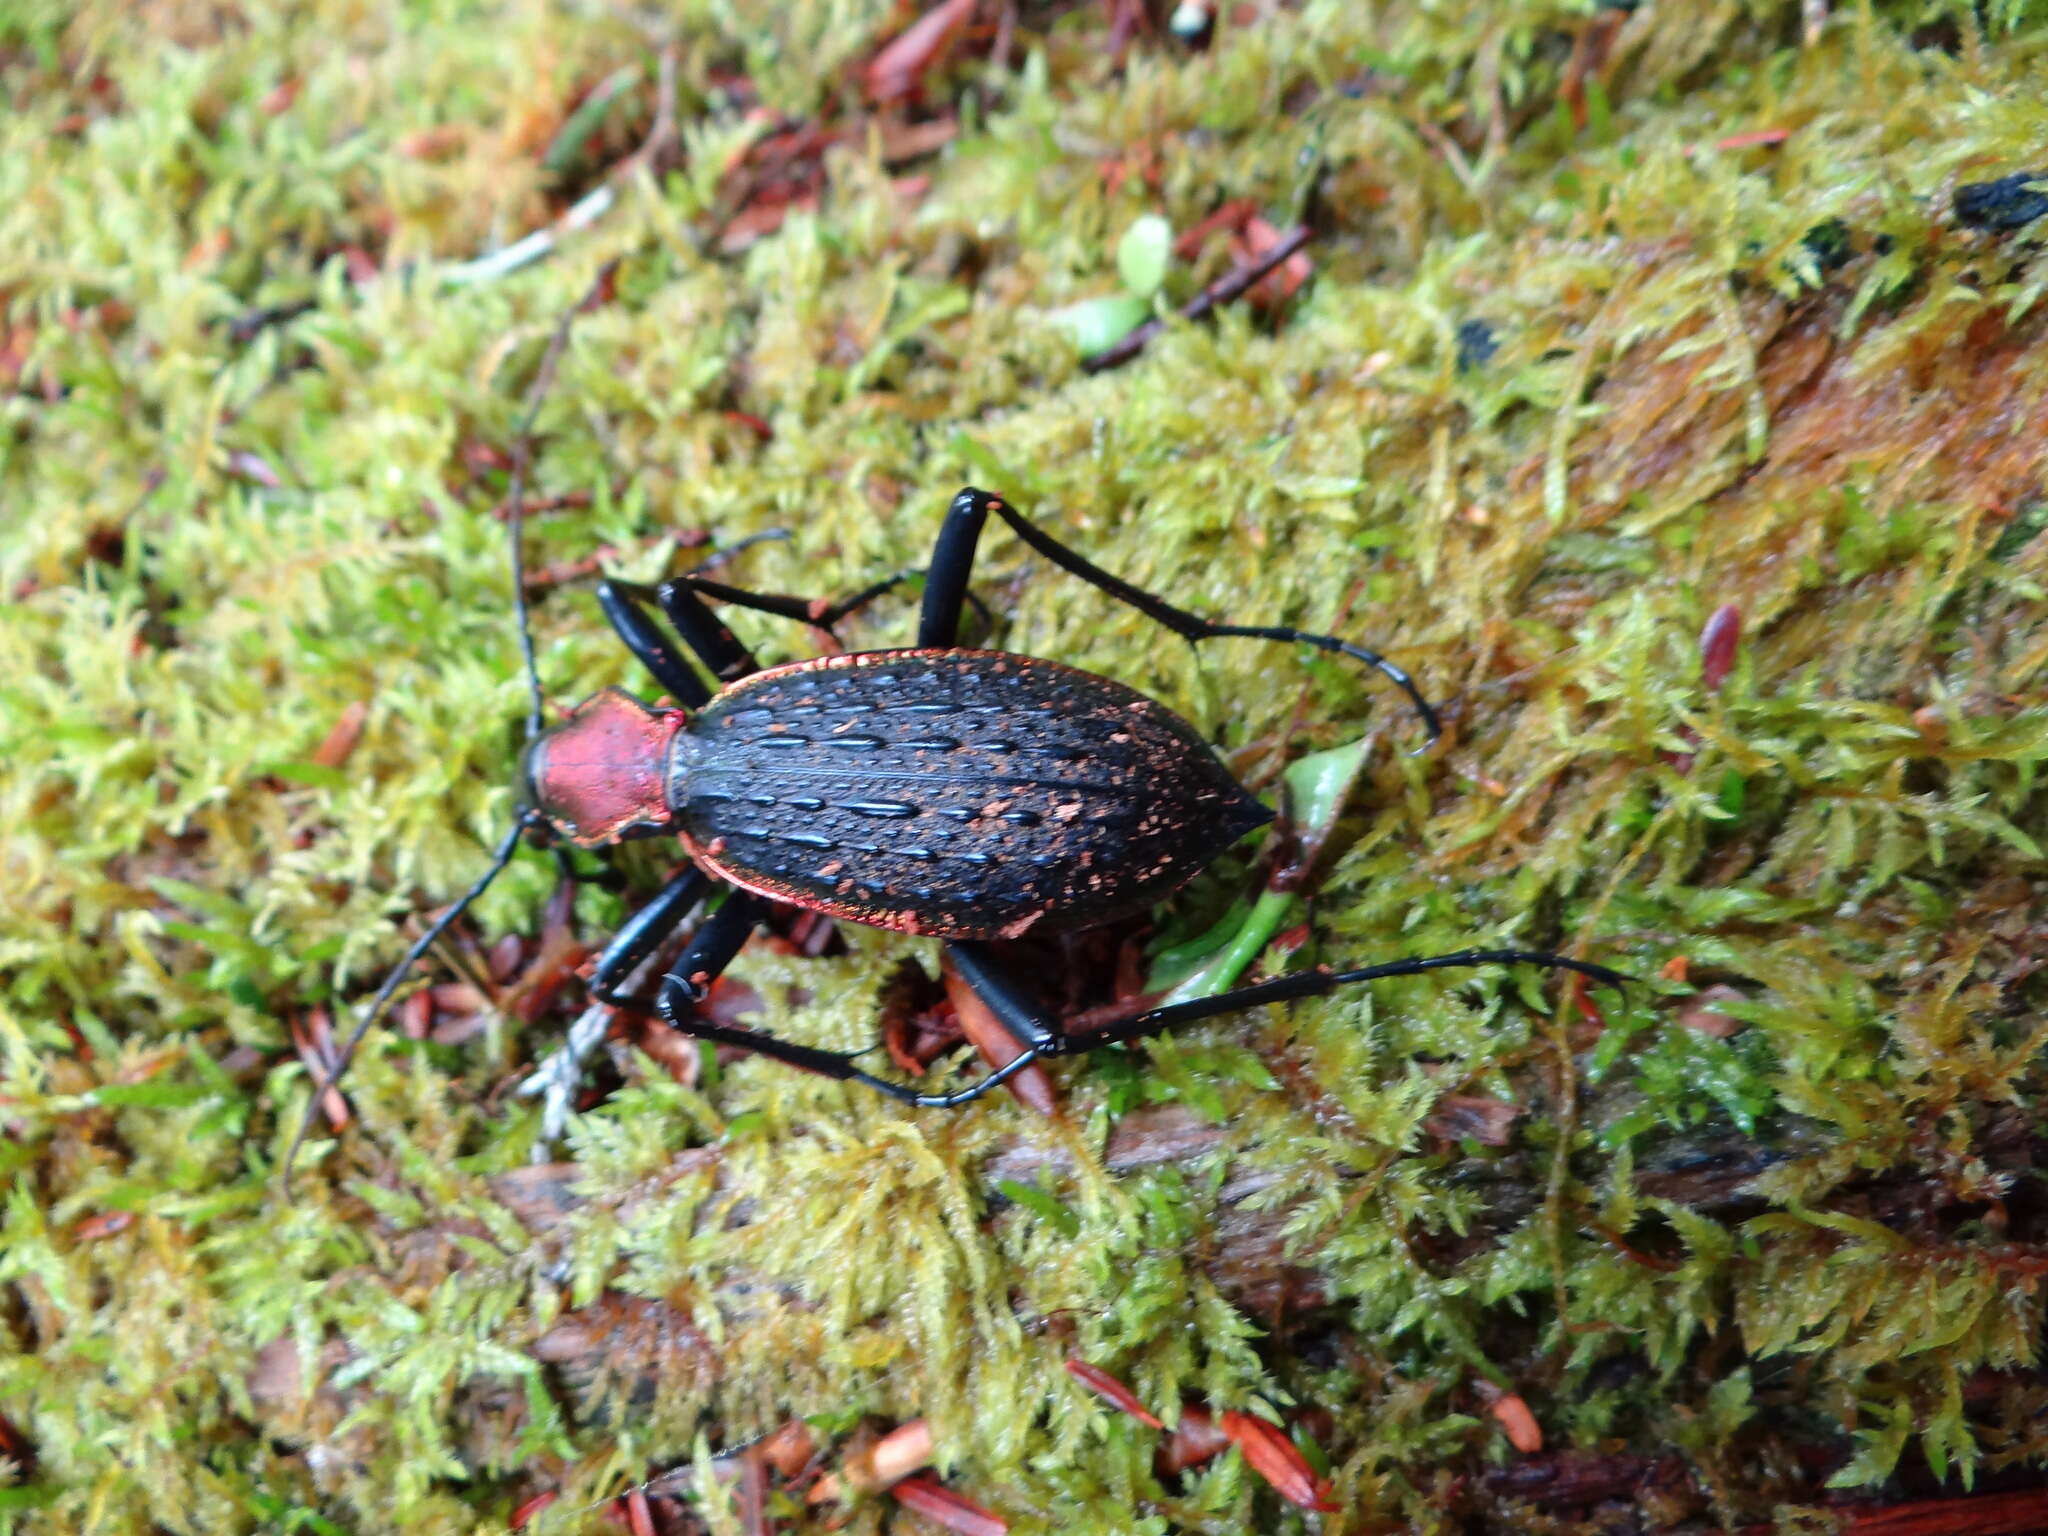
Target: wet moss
251, 444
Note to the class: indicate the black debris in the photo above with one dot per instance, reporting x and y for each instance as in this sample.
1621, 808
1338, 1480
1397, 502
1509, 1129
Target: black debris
2003, 205
1476, 345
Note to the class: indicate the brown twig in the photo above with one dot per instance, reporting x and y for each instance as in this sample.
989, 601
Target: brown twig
251, 323
567, 501
1984, 1514
1233, 284
661, 138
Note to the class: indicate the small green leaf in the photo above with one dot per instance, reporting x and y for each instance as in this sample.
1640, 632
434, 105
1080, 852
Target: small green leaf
219, 940
313, 775
151, 1095
1623, 1129
1247, 1069
1220, 973
1143, 253
1599, 111
996, 474
740, 1127
1034, 1199
1728, 1403
1874, 1233
1199, 1094
197, 898
1311, 1451
1169, 965
1319, 784
125, 1195
590, 113
1099, 324
1734, 791
834, 1424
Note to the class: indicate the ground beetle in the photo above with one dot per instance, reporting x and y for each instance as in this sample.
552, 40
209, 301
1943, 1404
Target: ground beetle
971, 795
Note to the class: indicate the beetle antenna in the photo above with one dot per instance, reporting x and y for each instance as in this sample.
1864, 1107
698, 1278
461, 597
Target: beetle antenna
338, 1068
599, 292
516, 521
522, 461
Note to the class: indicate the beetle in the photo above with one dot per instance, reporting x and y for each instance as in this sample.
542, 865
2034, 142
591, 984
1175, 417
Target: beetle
970, 795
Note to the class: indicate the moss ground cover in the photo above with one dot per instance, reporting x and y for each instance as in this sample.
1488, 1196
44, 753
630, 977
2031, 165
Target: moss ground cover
1618, 321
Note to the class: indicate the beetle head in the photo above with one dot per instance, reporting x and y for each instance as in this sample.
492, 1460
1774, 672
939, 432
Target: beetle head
601, 776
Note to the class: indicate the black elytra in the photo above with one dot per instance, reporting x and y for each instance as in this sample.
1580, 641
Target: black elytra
965, 794
968, 794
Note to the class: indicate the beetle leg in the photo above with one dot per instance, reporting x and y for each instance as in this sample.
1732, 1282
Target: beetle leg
801, 609
1317, 983
962, 529
695, 625
834, 1064
622, 602
711, 949
643, 933
817, 614
716, 646
720, 939
945, 587
1013, 1009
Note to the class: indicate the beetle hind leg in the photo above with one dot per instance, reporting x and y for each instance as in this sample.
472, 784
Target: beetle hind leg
1319, 983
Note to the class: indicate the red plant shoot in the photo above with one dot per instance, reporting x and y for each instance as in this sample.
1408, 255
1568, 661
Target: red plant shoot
1719, 642
1278, 1460
1107, 1387
943, 1506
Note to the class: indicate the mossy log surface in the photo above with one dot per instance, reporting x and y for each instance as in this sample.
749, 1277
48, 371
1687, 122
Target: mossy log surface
1618, 327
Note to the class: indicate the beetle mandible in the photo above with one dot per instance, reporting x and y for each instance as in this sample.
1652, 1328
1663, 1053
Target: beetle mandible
970, 795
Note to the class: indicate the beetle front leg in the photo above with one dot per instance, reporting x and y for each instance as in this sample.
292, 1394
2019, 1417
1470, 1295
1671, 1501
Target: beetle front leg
818, 614
644, 932
625, 603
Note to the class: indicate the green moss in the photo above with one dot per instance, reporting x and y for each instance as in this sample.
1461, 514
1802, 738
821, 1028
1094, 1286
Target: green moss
1806, 1255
